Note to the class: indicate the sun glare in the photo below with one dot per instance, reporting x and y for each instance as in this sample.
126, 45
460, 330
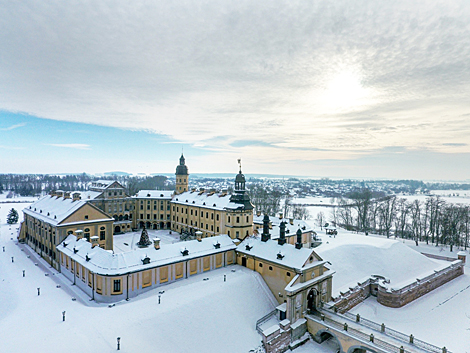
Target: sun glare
344, 91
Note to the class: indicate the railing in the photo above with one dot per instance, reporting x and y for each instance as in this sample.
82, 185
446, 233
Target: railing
387, 331
264, 319
363, 336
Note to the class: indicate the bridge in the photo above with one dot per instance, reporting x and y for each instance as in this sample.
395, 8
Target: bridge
353, 334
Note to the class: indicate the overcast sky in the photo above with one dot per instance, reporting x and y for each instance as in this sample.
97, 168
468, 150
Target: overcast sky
313, 88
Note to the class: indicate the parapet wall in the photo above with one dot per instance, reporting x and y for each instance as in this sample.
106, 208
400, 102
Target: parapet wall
396, 298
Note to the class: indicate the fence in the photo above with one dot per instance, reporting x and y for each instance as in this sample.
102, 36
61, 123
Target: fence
386, 330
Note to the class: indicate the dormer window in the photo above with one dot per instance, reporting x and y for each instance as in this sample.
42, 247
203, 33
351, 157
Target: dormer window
217, 245
248, 247
280, 255
146, 260
185, 252
148, 195
87, 258
75, 250
161, 195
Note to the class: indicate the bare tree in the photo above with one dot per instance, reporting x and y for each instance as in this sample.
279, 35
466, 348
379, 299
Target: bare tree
402, 217
387, 211
320, 219
300, 212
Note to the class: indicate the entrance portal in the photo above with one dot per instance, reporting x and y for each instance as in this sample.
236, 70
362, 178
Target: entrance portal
117, 229
312, 300
244, 261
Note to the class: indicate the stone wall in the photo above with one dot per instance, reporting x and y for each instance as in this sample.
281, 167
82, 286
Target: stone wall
348, 300
397, 298
277, 338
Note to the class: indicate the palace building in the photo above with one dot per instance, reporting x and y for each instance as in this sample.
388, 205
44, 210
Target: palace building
48, 221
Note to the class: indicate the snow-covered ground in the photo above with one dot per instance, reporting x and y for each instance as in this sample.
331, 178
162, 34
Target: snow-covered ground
202, 315
355, 257
194, 315
441, 317
128, 241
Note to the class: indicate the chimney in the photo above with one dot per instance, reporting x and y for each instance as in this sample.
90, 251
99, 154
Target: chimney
280, 215
462, 255
298, 245
291, 221
94, 241
265, 236
156, 243
282, 234
76, 196
79, 234
199, 235
67, 195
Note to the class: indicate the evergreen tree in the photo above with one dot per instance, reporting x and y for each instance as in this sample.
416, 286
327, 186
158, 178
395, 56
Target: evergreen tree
12, 217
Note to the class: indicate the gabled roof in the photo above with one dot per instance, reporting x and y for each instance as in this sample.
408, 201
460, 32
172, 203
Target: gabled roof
290, 256
106, 263
102, 185
154, 194
52, 209
206, 200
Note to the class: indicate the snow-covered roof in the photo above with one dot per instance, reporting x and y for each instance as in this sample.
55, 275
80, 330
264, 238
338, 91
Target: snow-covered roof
52, 209
291, 229
289, 255
207, 200
103, 184
154, 194
87, 195
106, 263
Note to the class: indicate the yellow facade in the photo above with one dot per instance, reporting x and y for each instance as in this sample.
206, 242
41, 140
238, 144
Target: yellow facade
44, 237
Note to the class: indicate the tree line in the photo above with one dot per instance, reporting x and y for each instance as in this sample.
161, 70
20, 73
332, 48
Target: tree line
272, 201
37, 184
432, 221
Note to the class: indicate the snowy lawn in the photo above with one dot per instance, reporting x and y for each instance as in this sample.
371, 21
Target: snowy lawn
128, 241
194, 315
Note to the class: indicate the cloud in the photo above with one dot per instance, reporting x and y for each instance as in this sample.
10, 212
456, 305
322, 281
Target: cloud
77, 146
13, 127
346, 77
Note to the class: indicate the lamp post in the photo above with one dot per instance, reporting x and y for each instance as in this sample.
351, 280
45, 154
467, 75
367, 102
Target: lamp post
23, 273
119, 343
63, 315
159, 296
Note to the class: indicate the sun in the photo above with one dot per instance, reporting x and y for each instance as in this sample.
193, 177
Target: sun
344, 91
